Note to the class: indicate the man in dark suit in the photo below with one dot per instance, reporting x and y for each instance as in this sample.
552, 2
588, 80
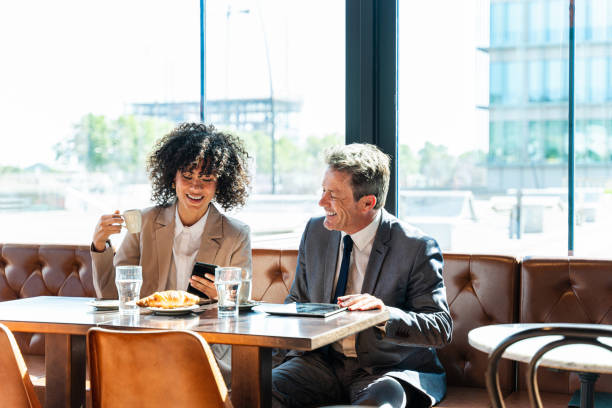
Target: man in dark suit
362, 257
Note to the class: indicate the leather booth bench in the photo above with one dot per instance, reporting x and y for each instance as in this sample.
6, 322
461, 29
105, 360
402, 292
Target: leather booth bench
481, 290
28, 270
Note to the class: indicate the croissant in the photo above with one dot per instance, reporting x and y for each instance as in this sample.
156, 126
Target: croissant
169, 299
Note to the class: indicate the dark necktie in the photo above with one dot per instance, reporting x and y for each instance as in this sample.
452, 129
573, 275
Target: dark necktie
344, 267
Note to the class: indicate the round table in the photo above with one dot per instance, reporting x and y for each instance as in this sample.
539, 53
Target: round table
588, 360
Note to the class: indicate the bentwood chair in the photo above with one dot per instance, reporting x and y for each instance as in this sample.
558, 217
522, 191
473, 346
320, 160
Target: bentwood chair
153, 369
16, 389
569, 334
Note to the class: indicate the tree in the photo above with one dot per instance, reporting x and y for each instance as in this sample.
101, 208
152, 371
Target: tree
408, 167
437, 165
470, 170
101, 144
90, 144
297, 161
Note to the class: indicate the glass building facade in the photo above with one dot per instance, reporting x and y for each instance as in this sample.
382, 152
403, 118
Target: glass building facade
529, 86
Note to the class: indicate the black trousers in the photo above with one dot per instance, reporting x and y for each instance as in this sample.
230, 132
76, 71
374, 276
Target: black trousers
327, 377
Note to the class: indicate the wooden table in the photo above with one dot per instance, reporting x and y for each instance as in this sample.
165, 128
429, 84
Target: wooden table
588, 360
65, 321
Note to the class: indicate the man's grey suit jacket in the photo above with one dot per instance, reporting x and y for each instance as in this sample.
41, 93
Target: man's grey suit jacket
405, 272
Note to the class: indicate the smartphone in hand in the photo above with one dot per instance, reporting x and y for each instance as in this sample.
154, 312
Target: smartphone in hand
201, 269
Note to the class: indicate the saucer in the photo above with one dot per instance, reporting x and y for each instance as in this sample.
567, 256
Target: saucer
104, 304
245, 307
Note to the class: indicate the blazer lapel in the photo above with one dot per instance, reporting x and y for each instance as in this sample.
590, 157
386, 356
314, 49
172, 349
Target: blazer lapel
377, 256
164, 238
211, 236
331, 260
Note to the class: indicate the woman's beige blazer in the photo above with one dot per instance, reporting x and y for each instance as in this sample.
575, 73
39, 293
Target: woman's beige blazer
225, 242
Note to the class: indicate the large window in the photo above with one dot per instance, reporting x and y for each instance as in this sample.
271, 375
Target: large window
74, 76
482, 111
86, 93
504, 155
279, 84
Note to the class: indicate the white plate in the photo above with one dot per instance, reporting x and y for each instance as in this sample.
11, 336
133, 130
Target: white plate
104, 304
173, 311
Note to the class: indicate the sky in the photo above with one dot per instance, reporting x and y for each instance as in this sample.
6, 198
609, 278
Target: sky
64, 59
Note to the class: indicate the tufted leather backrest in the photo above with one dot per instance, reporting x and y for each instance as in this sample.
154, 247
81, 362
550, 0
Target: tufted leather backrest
28, 270
565, 290
273, 273
481, 290
65, 270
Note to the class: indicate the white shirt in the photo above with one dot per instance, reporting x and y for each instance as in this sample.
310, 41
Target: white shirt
360, 255
185, 250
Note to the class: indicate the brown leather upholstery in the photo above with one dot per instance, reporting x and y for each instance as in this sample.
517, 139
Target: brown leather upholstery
15, 385
570, 290
28, 270
273, 273
153, 369
481, 290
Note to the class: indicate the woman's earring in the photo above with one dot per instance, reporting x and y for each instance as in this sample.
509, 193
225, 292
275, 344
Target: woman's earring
173, 186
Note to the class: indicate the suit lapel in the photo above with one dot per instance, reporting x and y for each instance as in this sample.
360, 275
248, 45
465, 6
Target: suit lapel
164, 238
211, 236
331, 260
377, 256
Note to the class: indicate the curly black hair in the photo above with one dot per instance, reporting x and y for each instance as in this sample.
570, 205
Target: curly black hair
223, 155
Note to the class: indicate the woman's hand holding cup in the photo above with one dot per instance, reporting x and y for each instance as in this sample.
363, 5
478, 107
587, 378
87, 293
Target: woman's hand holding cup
108, 224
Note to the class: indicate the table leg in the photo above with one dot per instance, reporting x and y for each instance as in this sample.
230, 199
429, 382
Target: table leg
251, 376
587, 389
65, 361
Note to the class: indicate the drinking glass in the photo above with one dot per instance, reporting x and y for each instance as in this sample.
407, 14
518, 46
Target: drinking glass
228, 281
245, 288
128, 279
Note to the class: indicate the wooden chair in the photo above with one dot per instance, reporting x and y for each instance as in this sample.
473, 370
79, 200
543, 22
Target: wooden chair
16, 389
153, 369
570, 334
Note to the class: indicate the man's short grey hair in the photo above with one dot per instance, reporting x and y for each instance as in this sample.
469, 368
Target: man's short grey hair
368, 167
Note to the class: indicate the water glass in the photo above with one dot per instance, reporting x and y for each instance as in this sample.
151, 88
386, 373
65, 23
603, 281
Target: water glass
245, 286
128, 279
228, 281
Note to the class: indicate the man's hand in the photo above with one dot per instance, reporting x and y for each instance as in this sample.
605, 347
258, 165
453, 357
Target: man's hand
363, 301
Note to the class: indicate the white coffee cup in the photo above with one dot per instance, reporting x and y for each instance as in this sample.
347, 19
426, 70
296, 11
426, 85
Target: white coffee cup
133, 221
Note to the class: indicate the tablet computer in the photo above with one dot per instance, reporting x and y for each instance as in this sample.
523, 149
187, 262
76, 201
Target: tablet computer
300, 309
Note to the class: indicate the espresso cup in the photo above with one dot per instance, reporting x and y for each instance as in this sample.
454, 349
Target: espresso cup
133, 220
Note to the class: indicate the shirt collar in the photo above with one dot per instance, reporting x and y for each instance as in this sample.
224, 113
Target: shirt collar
195, 230
366, 235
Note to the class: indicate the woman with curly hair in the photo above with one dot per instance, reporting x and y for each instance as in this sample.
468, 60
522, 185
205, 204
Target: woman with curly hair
189, 168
